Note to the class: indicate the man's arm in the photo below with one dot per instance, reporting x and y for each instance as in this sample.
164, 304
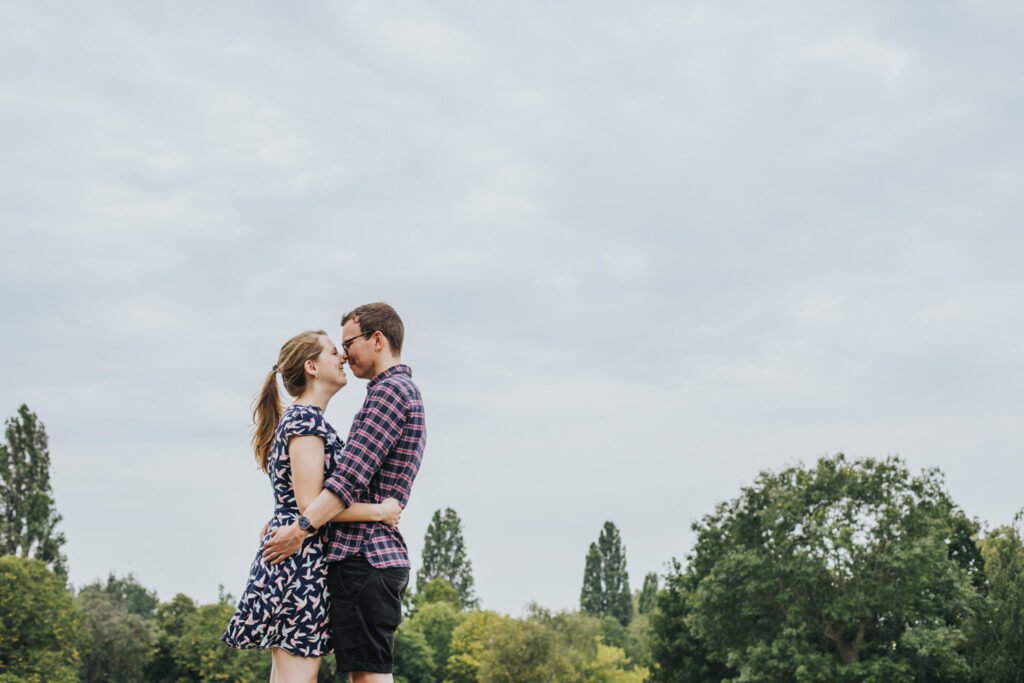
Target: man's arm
371, 439
369, 442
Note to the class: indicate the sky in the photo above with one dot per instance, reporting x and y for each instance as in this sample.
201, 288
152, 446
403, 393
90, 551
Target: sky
642, 251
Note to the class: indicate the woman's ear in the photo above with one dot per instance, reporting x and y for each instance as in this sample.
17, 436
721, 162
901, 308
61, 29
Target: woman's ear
310, 368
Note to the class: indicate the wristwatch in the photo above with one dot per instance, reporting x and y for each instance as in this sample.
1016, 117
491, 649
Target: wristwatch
307, 525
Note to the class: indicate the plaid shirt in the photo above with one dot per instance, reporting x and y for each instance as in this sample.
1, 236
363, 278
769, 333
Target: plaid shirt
380, 460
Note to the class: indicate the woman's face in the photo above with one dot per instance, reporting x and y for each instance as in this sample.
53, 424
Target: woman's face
330, 365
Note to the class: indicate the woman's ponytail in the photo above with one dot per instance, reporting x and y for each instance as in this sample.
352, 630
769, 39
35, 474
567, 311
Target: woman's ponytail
266, 415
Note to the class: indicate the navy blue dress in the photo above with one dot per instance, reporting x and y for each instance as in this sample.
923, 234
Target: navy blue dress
287, 605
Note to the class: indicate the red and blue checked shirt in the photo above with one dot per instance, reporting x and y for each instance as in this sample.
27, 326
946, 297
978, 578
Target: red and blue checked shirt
379, 460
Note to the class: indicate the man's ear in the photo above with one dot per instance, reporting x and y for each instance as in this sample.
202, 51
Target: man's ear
378, 341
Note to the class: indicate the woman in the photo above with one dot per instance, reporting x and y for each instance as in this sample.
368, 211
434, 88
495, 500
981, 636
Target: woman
285, 606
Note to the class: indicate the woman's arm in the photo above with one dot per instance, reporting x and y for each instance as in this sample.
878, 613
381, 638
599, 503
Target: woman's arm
307, 456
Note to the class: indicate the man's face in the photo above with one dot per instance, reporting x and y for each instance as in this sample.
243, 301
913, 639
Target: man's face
359, 350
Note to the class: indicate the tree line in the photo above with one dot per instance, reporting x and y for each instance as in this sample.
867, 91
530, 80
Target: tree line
844, 570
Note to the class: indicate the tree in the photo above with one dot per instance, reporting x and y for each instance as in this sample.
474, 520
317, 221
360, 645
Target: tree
436, 590
38, 624
996, 630
435, 621
605, 579
592, 597
678, 656
200, 655
444, 556
116, 644
589, 647
414, 659
120, 630
565, 647
171, 618
518, 650
841, 572
614, 574
637, 645
469, 641
610, 665
648, 594
577, 635
28, 517
126, 593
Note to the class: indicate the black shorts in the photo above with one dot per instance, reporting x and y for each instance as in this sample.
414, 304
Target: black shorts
366, 608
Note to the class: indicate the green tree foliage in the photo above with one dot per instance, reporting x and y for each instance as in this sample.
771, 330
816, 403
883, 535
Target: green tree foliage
996, 630
38, 624
119, 630
438, 613
678, 656
648, 594
592, 597
590, 647
610, 665
436, 590
605, 579
414, 659
28, 517
614, 575
171, 618
126, 593
199, 654
841, 572
563, 648
468, 643
444, 556
637, 644
116, 645
521, 650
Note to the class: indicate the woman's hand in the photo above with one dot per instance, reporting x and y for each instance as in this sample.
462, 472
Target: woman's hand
390, 511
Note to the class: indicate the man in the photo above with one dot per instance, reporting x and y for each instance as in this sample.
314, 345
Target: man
368, 563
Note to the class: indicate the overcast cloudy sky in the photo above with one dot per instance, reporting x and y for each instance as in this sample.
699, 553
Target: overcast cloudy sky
642, 250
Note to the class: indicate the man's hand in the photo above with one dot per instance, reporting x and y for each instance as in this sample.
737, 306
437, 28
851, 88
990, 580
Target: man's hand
284, 542
391, 512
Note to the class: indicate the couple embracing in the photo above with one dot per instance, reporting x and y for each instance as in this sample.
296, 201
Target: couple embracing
332, 567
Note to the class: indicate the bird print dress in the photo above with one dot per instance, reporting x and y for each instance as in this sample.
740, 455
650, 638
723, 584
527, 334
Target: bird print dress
286, 605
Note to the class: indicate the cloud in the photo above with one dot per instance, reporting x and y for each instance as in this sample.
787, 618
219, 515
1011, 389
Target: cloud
640, 255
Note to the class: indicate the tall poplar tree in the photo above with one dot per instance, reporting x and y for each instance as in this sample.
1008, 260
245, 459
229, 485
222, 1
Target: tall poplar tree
605, 579
648, 594
28, 517
592, 599
444, 556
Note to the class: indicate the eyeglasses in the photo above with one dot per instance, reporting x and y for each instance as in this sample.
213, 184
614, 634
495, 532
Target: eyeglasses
346, 343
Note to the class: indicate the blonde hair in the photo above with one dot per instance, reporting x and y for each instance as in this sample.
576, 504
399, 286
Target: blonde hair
291, 362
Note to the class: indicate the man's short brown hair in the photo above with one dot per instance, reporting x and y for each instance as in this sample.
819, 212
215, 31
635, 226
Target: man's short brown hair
379, 317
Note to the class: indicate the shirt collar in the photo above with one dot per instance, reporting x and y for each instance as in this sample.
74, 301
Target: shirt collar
400, 369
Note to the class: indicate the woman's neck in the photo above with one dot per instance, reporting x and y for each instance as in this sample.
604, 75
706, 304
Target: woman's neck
318, 396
